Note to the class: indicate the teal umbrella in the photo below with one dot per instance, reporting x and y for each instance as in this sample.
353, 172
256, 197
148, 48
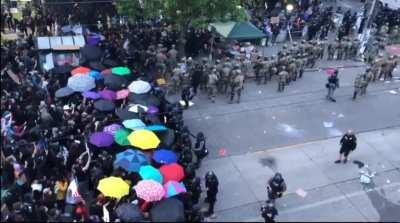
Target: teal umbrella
148, 172
121, 71
121, 136
133, 124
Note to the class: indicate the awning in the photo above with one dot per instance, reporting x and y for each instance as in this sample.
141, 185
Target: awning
238, 30
60, 42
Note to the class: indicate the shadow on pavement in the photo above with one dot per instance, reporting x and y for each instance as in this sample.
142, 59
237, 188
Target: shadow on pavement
387, 210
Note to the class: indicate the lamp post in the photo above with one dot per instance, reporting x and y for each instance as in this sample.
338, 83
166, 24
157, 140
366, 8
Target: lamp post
289, 9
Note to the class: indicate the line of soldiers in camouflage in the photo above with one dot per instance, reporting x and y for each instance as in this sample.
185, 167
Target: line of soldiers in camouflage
379, 68
229, 74
345, 49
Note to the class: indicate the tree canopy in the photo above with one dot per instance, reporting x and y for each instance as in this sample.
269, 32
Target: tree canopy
183, 12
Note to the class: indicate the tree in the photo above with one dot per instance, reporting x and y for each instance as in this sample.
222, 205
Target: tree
183, 13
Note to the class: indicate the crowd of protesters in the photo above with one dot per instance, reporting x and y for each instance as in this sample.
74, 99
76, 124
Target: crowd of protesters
45, 138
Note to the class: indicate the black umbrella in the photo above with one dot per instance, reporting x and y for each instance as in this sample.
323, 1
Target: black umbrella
168, 210
114, 82
64, 92
110, 63
104, 105
144, 99
128, 212
91, 52
64, 69
97, 66
167, 138
125, 114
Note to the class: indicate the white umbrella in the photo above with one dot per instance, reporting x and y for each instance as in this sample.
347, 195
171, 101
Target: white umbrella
135, 108
139, 87
81, 83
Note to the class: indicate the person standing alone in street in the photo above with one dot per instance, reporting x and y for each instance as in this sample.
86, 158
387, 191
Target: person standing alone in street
333, 83
348, 144
212, 190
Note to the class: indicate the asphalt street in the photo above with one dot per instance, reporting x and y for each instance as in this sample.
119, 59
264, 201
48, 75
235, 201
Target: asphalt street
318, 189
267, 119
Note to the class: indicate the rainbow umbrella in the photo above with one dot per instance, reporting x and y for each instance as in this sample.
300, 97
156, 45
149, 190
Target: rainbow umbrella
173, 188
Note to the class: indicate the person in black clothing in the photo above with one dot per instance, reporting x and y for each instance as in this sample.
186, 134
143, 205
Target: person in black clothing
212, 190
348, 143
197, 77
268, 212
200, 148
186, 96
333, 83
196, 190
276, 187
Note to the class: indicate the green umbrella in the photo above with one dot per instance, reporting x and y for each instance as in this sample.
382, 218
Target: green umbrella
148, 172
121, 71
121, 137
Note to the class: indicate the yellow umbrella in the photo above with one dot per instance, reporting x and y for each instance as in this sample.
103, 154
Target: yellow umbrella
143, 139
113, 187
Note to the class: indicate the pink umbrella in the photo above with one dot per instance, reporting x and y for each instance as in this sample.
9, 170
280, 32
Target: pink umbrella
330, 71
121, 94
149, 190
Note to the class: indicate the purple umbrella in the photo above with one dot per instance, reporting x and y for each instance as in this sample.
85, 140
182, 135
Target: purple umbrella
152, 109
101, 139
108, 94
112, 129
91, 95
93, 40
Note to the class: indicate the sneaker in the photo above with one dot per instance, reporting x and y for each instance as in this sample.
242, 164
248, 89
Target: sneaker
337, 161
345, 161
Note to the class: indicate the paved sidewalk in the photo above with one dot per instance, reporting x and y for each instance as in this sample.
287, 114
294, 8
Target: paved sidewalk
332, 192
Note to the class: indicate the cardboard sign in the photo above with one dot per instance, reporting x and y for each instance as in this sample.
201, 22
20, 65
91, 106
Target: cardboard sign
275, 20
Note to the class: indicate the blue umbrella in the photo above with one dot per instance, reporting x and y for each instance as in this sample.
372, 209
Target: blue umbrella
133, 124
81, 83
164, 156
131, 160
95, 74
156, 128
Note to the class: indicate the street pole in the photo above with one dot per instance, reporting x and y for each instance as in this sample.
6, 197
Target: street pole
370, 13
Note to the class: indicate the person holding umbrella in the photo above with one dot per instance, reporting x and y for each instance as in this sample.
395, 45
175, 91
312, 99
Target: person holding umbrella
212, 190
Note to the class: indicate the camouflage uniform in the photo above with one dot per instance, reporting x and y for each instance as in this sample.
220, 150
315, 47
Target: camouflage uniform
357, 86
266, 70
236, 85
212, 84
282, 77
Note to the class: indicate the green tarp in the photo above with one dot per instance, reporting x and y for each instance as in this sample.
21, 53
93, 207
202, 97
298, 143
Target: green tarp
238, 30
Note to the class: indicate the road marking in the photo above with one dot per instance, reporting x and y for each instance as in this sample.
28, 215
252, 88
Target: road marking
327, 201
